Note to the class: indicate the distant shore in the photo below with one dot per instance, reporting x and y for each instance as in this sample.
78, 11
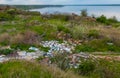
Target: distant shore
44, 6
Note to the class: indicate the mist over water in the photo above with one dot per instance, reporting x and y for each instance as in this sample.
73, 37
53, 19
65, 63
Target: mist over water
108, 11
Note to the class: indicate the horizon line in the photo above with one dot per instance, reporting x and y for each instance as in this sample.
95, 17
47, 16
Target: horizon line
65, 4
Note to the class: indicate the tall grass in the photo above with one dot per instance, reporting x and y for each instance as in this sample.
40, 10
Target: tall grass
25, 69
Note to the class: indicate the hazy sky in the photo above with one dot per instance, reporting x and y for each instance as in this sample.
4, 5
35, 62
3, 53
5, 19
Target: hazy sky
59, 1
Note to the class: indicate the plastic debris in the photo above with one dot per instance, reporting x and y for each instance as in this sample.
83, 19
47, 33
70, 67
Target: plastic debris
55, 46
33, 48
110, 43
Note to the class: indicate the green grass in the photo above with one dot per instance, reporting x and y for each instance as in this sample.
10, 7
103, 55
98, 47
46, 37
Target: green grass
45, 49
97, 45
100, 68
22, 69
25, 69
6, 51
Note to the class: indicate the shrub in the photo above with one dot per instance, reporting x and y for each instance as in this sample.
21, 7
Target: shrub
86, 67
99, 68
11, 11
93, 33
64, 29
60, 28
61, 61
79, 32
5, 17
102, 19
6, 51
113, 19
107, 69
110, 21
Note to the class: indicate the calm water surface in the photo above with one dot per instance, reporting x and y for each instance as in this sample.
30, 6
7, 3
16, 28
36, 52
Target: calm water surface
108, 11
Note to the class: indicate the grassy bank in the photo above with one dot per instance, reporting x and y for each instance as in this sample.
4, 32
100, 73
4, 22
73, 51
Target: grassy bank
25, 69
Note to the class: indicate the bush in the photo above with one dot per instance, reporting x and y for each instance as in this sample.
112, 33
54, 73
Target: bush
93, 34
110, 21
11, 11
61, 61
79, 32
6, 51
107, 69
102, 19
64, 29
113, 19
99, 68
5, 17
86, 67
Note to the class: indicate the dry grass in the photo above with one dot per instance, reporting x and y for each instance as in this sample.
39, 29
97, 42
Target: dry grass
58, 73
5, 38
27, 37
111, 33
30, 37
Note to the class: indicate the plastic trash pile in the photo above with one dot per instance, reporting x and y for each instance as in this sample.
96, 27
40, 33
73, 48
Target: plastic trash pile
55, 46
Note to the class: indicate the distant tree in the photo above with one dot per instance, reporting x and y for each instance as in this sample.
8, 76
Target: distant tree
84, 12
